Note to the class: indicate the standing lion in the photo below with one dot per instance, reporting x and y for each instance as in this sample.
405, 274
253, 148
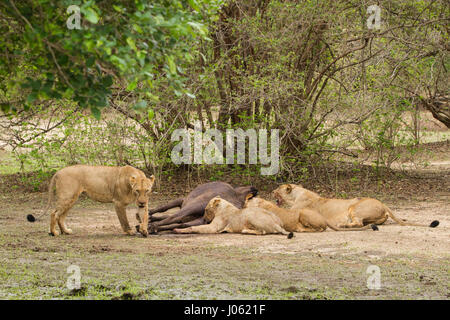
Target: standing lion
119, 185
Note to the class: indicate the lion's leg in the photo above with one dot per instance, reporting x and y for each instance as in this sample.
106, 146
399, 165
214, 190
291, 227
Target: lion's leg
62, 222
311, 221
280, 229
381, 220
57, 218
143, 227
122, 215
351, 214
53, 223
263, 223
353, 220
367, 211
247, 228
250, 231
206, 228
68, 190
59, 214
355, 223
308, 229
63, 210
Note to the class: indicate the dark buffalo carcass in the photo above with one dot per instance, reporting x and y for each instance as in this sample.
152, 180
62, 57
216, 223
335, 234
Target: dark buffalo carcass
192, 207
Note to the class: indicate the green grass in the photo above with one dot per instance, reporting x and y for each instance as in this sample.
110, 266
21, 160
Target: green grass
8, 163
38, 269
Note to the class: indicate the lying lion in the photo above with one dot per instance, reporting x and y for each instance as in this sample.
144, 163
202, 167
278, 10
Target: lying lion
225, 217
119, 185
342, 213
300, 220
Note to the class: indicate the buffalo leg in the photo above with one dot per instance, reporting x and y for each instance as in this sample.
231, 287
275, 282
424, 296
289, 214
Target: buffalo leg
184, 214
170, 205
153, 218
195, 222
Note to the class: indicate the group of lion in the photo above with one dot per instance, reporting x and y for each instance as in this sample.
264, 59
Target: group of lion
305, 211
296, 209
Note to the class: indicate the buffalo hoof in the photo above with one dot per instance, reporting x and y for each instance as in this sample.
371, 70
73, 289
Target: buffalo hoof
152, 229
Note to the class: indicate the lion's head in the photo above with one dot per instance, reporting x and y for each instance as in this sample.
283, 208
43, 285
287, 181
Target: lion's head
217, 206
141, 188
289, 193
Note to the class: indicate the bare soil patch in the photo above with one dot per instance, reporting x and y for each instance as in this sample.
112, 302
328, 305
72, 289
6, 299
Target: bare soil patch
414, 261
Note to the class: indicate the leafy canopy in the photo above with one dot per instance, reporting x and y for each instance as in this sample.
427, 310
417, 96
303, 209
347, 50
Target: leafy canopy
132, 44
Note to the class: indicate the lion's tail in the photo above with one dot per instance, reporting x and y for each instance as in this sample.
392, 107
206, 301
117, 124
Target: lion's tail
433, 224
369, 226
30, 217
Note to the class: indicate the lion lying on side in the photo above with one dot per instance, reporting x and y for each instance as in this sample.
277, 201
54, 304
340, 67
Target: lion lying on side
119, 185
342, 213
225, 217
300, 220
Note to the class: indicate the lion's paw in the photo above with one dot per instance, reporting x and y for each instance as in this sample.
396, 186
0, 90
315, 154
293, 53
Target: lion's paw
54, 233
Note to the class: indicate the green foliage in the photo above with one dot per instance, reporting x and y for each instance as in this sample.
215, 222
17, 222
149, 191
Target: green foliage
135, 42
36, 180
339, 92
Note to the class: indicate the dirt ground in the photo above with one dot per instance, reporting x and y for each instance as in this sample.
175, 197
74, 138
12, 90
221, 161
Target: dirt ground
413, 261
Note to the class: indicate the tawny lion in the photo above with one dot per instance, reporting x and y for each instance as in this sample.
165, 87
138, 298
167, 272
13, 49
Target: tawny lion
225, 217
342, 213
300, 220
119, 185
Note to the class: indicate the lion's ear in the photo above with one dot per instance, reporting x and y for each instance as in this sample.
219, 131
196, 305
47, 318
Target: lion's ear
152, 179
288, 188
247, 197
216, 202
132, 181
